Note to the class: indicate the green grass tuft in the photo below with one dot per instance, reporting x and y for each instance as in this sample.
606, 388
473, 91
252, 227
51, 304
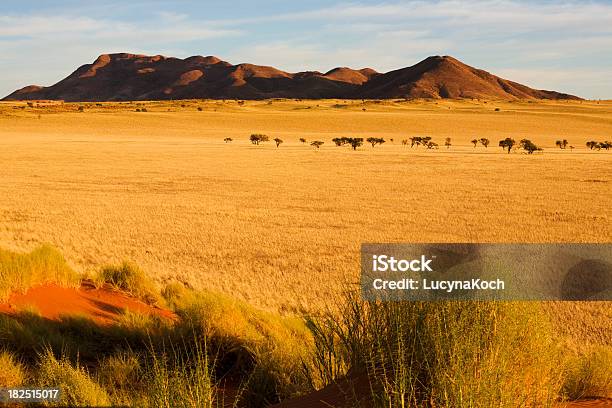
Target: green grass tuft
77, 387
19, 272
131, 279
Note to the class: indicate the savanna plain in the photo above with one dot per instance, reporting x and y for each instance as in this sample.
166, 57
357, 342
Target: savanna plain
278, 229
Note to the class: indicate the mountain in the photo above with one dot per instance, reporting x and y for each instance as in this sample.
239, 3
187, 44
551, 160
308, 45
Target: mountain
116, 77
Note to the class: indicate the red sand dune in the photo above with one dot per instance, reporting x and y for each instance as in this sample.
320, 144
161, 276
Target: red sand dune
114, 77
103, 305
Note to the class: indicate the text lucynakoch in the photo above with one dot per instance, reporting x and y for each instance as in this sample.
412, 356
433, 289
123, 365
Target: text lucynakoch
438, 285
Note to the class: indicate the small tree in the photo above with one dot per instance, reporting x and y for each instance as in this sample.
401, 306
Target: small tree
257, 138
425, 140
375, 140
475, 142
529, 146
591, 144
559, 144
507, 143
339, 141
278, 141
431, 145
317, 143
404, 142
355, 142
302, 140
227, 139
485, 142
416, 140
447, 142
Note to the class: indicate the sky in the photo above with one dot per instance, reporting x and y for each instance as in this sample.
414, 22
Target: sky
559, 45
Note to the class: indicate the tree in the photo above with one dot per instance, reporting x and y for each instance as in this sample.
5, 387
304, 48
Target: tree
529, 146
404, 142
485, 142
425, 140
447, 142
591, 144
564, 143
475, 141
415, 141
278, 141
302, 140
559, 143
606, 145
317, 143
375, 140
227, 139
355, 142
507, 143
339, 141
431, 145
257, 138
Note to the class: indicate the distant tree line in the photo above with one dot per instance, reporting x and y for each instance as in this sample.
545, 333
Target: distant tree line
507, 144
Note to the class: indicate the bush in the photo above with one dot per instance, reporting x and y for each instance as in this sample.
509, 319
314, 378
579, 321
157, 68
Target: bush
266, 348
78, 389
12, 373
19, 272
131, 279
589, 375
451, 354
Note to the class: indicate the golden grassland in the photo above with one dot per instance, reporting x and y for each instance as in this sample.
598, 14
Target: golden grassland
281, 228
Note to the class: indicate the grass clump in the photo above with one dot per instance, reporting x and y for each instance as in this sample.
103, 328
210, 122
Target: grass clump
19, 272
589, 374
455, 354
12, 373
77, 387
131, 279
266, 349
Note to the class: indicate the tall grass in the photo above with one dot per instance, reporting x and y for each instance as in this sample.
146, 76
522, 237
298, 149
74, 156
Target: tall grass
260, 349
18, 271
589, 375
131, 279
12, 372
451, 354
77, 388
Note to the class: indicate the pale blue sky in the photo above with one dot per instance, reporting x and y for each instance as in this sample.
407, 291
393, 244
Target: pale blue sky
561, 45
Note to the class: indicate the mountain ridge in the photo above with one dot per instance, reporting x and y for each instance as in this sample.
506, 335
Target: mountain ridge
125, 76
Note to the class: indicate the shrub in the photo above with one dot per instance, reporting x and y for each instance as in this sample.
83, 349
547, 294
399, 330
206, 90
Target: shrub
131, 279
451, 354
266, 348
589, 375
317, 143
78, 389
257, 138
19, 272
375, 140
12, 373
120, 370
179, 378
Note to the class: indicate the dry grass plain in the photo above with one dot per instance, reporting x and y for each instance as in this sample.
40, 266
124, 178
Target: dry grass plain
281, 227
